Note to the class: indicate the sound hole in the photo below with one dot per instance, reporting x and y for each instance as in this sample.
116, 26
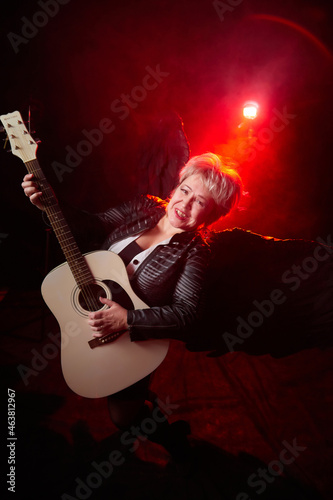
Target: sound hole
89, 297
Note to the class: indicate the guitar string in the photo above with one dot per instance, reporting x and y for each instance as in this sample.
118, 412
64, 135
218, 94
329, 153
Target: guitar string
34, 168
76, 266
75, 259
59, 226
80, 270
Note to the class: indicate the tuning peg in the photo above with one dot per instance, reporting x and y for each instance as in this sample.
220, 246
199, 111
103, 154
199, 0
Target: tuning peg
2, 129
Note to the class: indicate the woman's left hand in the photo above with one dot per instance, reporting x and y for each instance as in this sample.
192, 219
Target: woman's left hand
111, 320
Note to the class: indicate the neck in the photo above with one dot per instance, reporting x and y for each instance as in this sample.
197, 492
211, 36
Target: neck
166, 228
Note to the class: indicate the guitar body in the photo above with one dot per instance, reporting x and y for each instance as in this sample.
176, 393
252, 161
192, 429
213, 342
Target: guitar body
108, 368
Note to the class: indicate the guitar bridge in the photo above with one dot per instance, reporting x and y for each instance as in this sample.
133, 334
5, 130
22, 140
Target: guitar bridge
107, 339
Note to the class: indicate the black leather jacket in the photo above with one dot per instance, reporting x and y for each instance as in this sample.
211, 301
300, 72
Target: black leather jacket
170, 280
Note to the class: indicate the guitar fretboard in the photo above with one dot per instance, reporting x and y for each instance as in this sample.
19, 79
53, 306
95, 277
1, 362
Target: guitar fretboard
75, 259
25, 148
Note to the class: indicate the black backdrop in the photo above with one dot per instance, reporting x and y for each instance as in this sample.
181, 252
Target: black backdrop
79, 64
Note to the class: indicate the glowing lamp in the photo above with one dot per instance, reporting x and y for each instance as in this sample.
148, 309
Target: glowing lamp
250, 110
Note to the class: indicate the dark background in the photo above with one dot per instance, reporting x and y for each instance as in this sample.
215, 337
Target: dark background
70, 72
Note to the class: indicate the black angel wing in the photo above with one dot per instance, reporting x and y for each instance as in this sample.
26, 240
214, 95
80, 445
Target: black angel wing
266, 296
164, 151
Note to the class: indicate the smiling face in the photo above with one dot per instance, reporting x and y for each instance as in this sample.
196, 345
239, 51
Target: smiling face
190, 204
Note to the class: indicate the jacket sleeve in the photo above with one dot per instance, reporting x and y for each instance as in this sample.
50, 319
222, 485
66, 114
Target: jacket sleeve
91, 230
123, 214
174, 320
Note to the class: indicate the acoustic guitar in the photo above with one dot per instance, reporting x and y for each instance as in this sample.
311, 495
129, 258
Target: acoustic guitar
92, 367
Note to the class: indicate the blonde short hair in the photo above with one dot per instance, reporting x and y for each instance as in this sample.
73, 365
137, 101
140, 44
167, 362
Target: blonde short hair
222, 181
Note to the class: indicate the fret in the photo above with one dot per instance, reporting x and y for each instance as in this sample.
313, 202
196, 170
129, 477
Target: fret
75, 259
25, 148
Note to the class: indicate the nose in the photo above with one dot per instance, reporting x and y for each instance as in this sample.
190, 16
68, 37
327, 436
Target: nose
187, 202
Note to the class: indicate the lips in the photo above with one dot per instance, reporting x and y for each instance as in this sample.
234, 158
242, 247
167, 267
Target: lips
180, 214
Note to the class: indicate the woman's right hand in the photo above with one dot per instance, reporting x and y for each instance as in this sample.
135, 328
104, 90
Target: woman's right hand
31, 190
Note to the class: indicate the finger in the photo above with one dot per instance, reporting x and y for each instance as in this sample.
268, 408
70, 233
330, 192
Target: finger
101, 313
29, 184
35, 197
97, 334
96, 315
108, 302
95, 328
28, 177
30, 188
96, 324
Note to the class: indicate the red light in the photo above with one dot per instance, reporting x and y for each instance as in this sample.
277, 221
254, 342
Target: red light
250, 110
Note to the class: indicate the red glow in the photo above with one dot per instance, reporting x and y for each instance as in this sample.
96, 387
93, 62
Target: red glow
297, 27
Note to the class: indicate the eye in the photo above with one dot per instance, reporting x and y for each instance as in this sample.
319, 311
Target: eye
201, 203
184, 190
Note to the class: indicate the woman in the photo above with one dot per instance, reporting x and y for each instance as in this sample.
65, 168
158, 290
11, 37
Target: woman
166, 259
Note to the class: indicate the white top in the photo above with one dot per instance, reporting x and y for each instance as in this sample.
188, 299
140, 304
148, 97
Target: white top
140, 257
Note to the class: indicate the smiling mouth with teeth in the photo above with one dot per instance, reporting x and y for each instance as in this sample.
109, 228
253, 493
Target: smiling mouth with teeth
180, 214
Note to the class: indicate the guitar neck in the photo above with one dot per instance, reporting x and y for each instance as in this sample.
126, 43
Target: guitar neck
25, 148
75, 259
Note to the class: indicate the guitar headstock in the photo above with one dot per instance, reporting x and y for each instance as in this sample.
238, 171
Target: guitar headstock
21, 142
